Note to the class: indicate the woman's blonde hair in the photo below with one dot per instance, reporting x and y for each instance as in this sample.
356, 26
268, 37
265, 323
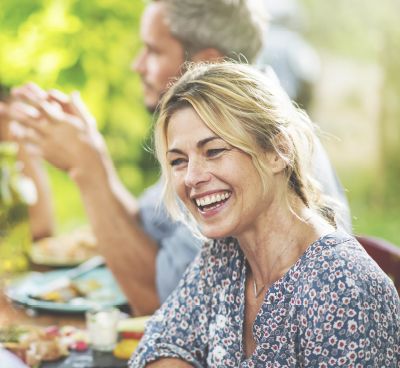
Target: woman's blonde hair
250, 111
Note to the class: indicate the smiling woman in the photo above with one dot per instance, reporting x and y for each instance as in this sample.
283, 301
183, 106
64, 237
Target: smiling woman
267, 128
277, 284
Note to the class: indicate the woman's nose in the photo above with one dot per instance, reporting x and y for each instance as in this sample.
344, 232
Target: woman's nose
196, 174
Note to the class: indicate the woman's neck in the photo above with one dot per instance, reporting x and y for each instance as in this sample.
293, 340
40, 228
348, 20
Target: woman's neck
277, 240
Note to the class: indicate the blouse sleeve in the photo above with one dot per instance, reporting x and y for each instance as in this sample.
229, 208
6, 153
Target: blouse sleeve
179, 329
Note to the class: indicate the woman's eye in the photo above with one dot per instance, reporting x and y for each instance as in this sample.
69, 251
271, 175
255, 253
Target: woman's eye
215, 152
176, 161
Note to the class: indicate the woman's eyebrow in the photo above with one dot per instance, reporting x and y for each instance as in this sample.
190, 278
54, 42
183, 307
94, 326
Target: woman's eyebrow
199, 144
204, 141
175, 150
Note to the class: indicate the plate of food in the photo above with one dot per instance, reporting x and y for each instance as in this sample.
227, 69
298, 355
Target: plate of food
66, 249
94, 288
40, 345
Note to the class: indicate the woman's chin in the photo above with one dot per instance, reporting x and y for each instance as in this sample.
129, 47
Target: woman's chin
213, 233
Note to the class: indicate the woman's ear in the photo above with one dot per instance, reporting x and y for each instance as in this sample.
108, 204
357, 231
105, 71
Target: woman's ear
277, 158
276, 163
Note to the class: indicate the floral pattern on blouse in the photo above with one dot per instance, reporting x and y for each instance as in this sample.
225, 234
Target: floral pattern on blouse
334, 307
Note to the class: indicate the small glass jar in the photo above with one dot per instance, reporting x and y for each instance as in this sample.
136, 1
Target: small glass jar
101, 324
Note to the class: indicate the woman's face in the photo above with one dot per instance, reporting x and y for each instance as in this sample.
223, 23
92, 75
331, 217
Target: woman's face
218, 183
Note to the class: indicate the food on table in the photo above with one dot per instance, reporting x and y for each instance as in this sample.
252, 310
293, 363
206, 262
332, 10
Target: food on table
34, 345
77, 288
87, 286
79, 345
61, 295
75, 338
37, 344
132, 327
130, 331
66, 249
125, 348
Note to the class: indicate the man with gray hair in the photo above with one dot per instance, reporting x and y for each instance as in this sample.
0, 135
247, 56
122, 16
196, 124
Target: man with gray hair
194, 30
144, 249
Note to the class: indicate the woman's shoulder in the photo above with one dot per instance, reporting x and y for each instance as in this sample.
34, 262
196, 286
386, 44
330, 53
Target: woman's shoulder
339, 262
336, 251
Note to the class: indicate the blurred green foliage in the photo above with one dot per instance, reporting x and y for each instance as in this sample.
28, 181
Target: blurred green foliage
86, 46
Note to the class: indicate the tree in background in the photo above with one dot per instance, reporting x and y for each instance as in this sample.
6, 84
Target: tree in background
368, 34
85, 46
390, 108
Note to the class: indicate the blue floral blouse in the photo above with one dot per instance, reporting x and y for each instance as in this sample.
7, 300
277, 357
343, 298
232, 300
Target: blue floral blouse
334, 307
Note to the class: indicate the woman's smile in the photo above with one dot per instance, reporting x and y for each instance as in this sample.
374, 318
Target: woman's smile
213, 203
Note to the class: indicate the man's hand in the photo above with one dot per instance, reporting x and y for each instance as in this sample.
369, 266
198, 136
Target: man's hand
56, 126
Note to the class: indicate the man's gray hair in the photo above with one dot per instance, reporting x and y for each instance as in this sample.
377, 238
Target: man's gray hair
234, 27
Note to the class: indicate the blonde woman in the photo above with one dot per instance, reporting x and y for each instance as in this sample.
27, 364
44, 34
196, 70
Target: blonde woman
276, 284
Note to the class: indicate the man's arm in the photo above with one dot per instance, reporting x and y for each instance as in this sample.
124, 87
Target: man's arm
129, 251
41, 217
65, 134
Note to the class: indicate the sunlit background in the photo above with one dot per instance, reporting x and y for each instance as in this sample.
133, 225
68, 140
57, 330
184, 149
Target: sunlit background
88, 46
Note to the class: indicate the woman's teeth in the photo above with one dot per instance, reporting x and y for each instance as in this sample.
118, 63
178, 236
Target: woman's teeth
212, 199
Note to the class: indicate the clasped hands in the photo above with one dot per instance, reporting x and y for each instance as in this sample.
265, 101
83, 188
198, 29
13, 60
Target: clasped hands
54, 125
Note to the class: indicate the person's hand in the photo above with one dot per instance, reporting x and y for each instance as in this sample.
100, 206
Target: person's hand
56, 126
4, 122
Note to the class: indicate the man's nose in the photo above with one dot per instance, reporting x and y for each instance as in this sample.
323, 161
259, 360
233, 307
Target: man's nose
138, 64
196, 174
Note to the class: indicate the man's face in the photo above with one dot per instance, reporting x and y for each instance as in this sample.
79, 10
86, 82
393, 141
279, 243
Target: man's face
162, 56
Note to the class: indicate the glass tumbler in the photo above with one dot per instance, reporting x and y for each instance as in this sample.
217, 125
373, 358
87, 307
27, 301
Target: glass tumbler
101, 324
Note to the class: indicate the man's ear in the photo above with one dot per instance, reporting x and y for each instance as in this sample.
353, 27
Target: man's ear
208, 54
